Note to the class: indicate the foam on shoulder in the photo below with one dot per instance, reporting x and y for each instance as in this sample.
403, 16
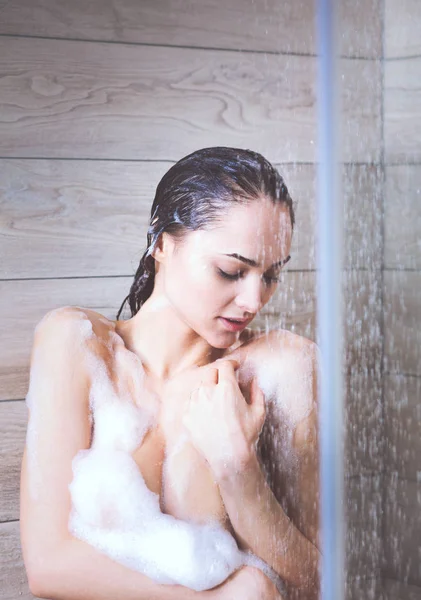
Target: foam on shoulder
57, 336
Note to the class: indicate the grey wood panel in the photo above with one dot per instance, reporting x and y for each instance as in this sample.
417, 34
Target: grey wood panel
360, 588
402, 321
362, 510
13, 580
24, 303
402, 425
13, 420
75, 218
402, 26
82, 218
362, 317
398, 590
403, 530
247, 24
363, 422
67, 99
402, 217
402, 110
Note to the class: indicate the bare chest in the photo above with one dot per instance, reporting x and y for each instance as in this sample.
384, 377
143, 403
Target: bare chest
168, 462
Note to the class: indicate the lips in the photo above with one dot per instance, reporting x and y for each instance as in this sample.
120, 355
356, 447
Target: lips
234, 325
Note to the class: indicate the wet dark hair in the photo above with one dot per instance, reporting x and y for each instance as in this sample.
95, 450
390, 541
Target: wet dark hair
195, 192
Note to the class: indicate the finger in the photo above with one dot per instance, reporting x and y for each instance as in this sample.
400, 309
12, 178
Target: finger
209, 376
226, 370
257, 399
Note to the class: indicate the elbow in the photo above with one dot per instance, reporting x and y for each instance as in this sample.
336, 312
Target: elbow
37, 581
42, 576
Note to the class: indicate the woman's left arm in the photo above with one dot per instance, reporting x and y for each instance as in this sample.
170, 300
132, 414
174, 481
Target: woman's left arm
259, 521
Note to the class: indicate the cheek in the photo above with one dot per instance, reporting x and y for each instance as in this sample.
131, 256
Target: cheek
199, 290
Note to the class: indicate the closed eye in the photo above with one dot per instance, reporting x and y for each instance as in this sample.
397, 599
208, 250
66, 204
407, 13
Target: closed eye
235, 276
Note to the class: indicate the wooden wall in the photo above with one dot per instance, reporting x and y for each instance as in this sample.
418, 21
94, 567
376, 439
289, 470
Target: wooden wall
97, 101
402, 293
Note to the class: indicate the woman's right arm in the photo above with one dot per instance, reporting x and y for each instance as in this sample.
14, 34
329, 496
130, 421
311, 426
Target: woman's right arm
58, 565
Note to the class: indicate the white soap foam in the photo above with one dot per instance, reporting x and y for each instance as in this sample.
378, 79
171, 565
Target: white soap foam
286, 379
40, 385
112, 508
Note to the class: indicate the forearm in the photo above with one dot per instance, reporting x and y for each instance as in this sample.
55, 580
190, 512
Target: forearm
262, 526
77, 571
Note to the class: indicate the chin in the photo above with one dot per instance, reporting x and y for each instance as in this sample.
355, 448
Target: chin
226, 341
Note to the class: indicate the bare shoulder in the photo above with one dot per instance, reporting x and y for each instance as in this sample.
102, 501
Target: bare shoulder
285, 365
275, 345
75, 328
285, 341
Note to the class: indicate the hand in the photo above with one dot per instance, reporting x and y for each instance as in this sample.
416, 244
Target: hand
222, 426
247, 583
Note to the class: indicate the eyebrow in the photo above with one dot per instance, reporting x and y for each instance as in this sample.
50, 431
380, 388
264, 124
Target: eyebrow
253, 263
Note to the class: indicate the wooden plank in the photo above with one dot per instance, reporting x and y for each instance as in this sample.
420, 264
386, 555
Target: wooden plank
13, 580
75, 218
292, 307
360, 588
13, 420
402, 25
402, 530
402, 425
363, 418
393, 589
402, 322
237, 24
83, 218
363, 509
72, 99
362, 317
402, 110
362, 189
402, 217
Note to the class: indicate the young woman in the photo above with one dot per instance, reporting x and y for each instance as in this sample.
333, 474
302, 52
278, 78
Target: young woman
243, 403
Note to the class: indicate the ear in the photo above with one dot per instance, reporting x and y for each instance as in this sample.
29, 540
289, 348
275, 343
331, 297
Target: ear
163, 247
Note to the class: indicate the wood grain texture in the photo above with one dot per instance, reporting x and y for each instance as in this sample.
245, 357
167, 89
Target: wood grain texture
402, 217
83, 218
402, 110
65, 99
264, 25
393, 589
13, 580
361, 588
402, 322
402, 425
13, 420
362, 511
364, 443
402, 26
402, 530
362, 317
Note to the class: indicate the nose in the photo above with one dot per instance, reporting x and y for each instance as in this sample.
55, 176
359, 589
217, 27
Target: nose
250, 297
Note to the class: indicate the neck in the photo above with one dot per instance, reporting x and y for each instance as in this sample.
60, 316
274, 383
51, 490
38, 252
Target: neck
165, 344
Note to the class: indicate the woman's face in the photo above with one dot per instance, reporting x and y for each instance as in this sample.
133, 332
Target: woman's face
202, 283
